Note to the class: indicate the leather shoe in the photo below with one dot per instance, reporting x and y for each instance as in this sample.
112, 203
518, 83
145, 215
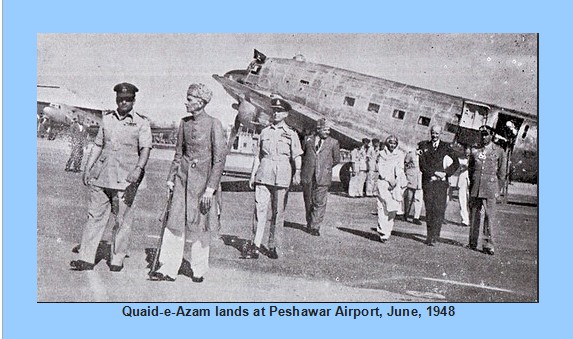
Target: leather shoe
488, 250
249, 251
156, 276
273, 253
80, 265
471, 247
115, 268
197, 279
417, 222
429, 243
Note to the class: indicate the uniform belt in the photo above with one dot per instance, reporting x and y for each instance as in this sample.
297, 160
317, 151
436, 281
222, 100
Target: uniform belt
277, 158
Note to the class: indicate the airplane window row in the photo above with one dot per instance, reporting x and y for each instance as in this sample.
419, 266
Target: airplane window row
397, 114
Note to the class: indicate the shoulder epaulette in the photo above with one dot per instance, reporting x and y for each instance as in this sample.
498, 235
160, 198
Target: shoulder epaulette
142, 116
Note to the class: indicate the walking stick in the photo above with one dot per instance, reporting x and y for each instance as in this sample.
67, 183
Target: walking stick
163, 217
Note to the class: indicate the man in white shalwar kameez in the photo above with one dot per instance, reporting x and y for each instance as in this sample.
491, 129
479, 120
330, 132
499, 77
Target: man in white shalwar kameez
391, 185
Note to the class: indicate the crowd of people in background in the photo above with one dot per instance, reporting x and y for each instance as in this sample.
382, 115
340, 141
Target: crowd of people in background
427, 176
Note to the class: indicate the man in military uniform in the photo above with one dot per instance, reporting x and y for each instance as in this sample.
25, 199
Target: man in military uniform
372, 174
114, 171
321, 153
438, 162
78, 135
413, 194
271, 177
359, 159
486, 167
193, 178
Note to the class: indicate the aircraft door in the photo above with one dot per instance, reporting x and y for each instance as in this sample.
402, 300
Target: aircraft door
474, 115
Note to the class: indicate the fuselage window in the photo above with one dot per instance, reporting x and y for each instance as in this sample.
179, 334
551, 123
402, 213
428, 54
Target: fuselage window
451, 128
398, 114
348, 101
525, 131
373, 107
424, 121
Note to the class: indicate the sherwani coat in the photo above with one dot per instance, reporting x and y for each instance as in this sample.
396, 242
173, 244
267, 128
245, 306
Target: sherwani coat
198, 163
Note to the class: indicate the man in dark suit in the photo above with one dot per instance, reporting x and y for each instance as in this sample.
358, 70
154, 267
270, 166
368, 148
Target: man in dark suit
487, 169
437, 162
321, 153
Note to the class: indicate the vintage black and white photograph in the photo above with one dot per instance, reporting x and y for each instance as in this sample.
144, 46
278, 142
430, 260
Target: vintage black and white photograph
287, 167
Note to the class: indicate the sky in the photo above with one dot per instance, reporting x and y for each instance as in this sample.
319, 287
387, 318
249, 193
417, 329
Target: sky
500, 69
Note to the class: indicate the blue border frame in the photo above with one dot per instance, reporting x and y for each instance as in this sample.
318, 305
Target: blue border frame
23, 19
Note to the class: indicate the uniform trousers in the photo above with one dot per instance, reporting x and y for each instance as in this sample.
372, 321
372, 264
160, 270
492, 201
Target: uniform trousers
175, 246
106, 202
413, 200
435, 199
387, 208
315, 199
484, 216
75, 160
371, 179
274, 197
463, 197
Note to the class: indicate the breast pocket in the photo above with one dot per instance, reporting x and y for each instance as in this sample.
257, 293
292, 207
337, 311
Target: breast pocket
283, 146
266, 145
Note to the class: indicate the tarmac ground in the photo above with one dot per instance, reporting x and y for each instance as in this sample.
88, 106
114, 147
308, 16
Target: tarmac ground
346, 263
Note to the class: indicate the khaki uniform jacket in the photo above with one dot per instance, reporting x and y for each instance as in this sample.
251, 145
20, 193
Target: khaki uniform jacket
319, 163
198, 163
486, 167
121, 141
279, 144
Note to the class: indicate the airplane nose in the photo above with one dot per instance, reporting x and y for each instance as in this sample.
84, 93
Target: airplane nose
236, 75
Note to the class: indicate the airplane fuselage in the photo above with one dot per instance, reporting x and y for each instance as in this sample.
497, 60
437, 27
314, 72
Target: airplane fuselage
363, 106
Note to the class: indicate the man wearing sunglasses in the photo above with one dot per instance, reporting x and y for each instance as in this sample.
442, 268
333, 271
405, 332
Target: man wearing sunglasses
486, 167
113, 173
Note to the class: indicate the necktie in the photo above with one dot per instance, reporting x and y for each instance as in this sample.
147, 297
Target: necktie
319, 144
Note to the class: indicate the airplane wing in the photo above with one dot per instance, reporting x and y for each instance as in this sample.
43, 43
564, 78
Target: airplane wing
300, 118
60, 106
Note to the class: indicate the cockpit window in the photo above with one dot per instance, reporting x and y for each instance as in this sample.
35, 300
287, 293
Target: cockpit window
255, 68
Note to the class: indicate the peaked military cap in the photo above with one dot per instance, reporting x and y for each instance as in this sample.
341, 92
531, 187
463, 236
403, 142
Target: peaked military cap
125, 89
280, 104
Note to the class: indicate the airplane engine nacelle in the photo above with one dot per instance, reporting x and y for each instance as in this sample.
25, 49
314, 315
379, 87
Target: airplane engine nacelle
247, 114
